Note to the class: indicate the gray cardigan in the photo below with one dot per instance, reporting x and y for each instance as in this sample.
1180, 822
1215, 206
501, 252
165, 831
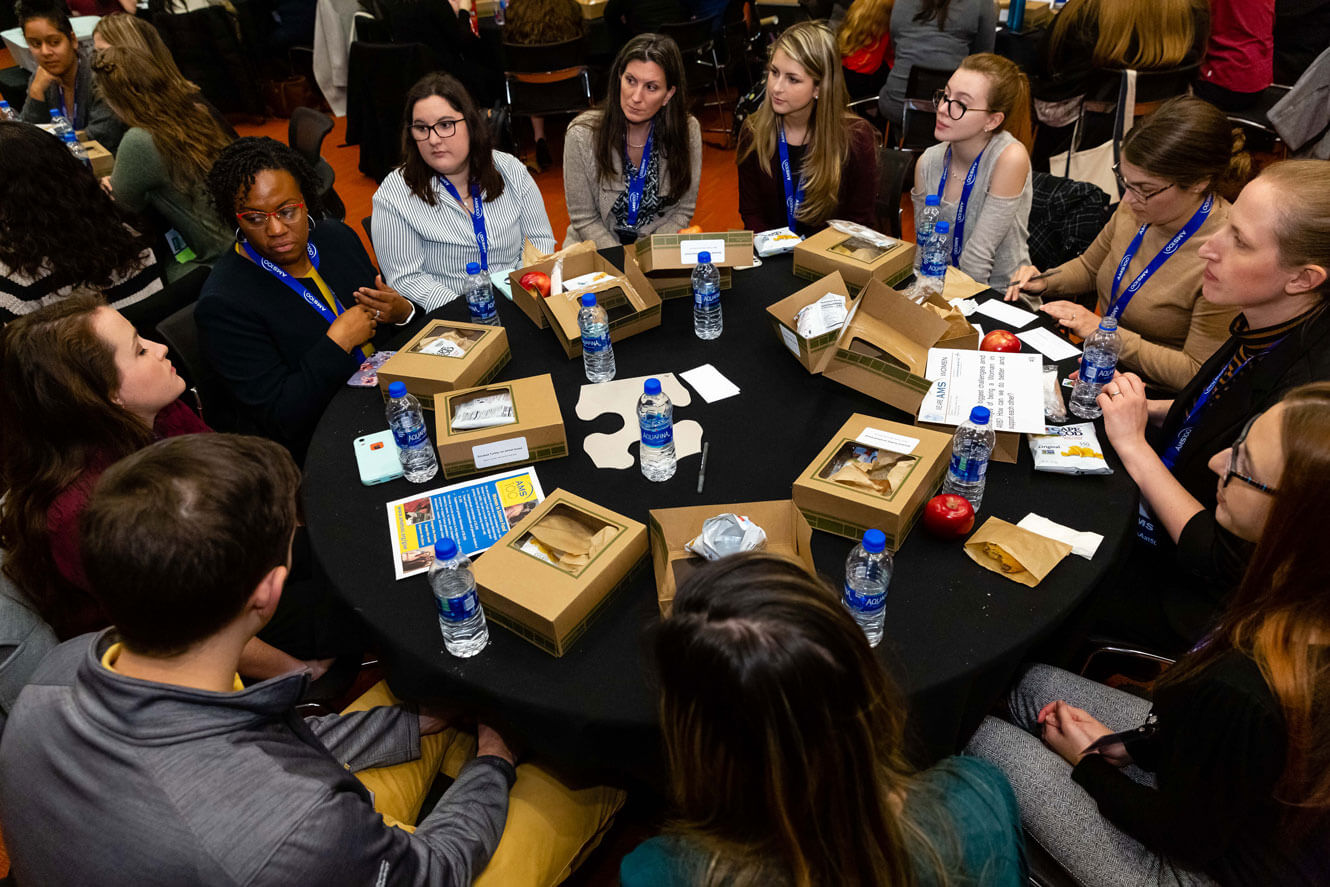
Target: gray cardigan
591, 201
94, 115
971, 27
110, 780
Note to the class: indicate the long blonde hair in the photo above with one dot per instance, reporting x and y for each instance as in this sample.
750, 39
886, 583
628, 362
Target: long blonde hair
1143, 34
866, 21
812, 46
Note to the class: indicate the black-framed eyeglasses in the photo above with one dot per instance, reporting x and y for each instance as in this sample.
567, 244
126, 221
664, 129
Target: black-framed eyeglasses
1232, 473
955, 107
441, 128
1140, 195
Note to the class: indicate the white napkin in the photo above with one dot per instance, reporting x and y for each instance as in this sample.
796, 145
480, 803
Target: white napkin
1082, 542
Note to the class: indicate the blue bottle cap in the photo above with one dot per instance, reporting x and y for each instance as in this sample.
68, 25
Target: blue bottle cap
445, 549
942, 226
588, 299
652, 386
397, 389
875, 541
704, 258
55, 112
932, 200
472, 267
979, 415
1108, 323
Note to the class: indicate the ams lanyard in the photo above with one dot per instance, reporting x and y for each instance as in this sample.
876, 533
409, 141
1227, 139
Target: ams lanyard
1116, 304
958, 229
325, 311
637, 178
477, 218
793, 196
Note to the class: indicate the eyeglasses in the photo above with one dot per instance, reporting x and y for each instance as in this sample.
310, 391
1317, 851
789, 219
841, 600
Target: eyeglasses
1140, 195
1233, 461
441, 128
289, 214
955, 108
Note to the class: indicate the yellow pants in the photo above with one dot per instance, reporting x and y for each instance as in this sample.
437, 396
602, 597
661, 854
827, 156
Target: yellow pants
550, 828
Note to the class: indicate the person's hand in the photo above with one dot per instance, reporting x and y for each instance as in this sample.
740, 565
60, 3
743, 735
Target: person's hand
353, 327
490, 742
106, 185
41, 81
317, 667
1126, 411
1024, 283
1070, 316
431, 721
1069, 731
386, 303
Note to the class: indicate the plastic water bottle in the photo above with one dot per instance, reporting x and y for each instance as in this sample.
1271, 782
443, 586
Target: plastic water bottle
1016, 16
707, 320
419, 461
61, 123
501, 13
1099, 360
76, 149
655, 419
970, 449
480, 296
6, 112
923, 226
461, 618
597, 351
867, 575
933, 269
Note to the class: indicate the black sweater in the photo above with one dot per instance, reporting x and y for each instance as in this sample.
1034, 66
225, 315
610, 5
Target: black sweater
271, 348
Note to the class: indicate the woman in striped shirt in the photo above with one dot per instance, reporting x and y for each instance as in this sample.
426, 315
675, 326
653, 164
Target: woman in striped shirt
454, 200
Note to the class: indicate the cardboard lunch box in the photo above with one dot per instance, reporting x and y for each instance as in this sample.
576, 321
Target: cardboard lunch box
543, 603
671, 529
847, 511
628, 297
429, 374
534, 260
537, 434
102, 160
817, 256
668, 259
811, 353
882, 350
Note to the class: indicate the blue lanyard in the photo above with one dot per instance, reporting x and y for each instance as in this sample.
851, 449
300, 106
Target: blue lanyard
74, 110
637, 178
1115, 305
1171, 453
958, 229
793, 197
477, 218
299, 288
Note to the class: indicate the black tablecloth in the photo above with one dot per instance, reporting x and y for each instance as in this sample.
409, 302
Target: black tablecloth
955, 633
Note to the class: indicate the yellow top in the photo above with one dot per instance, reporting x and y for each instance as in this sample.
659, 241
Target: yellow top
113, 653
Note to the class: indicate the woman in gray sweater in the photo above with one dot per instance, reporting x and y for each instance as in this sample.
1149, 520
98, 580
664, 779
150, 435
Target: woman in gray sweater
935, 34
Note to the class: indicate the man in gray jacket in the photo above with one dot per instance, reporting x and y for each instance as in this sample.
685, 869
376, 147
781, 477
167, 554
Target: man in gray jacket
136, 757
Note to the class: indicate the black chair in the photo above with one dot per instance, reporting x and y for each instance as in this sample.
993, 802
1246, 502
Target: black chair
920, 115
378, 77
181, 335
368, 224
371, 28
1255, 121
703, 70
894, 167
306, 132
866, 108
547, 78
208, 51
148, 313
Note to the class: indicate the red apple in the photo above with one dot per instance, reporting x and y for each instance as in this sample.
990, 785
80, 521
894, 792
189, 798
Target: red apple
948, 516
1000, 340
537, 282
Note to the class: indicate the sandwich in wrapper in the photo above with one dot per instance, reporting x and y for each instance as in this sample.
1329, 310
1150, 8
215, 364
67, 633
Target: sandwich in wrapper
564, 541
1019, 555
727, 534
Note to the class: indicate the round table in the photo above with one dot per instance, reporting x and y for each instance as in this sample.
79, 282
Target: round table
955, 633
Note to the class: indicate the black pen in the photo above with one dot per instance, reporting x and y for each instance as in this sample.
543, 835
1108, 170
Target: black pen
702, 469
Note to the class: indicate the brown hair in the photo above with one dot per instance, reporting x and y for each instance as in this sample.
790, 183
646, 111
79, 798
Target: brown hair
1008, 93
671, 122
1303, 228
543, 21
419, 176
864, 23
1142, 34
783, 732
132, 32
143, 94
58, 418
1280, 616
1186, 141
177, 536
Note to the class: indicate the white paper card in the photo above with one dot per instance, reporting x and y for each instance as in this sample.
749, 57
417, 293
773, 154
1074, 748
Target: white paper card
585, 281
1053, 346
1010, 385
500, 452
1005, 312
708, 382
887, 440
790, 339
1083, 543
688, 250
965, 306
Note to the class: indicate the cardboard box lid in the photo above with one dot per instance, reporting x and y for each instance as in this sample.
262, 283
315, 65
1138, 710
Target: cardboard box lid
666, 252
562, 310
820, 244
489, 342
932, 444
887, 320
534, 405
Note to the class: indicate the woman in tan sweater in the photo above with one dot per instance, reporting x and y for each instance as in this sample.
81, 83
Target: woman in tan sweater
1174, 167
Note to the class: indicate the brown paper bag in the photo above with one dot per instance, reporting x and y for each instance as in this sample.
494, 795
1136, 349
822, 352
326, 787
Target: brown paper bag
572, 543
881, 477
1018, 554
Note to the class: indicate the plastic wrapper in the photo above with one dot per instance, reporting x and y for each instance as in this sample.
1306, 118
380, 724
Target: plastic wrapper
565, 542
1054, 409
727, 534
484, 412
826, 314
453, 343
1069, 449
775, 242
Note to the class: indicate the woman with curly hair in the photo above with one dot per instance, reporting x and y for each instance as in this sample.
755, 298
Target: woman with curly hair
62, 231
532, 22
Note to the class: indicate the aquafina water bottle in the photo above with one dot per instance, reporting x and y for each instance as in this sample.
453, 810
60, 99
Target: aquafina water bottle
655, 419
867, 575
461, 618
1099, 360
79, 152
707, 321
970, 448
480, 296
419, 461
60, 123
933, 269
597, 351
6, 112
923, 226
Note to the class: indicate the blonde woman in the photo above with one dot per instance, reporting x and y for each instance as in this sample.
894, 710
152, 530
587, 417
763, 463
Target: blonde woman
864, 41
168, 150
803, 158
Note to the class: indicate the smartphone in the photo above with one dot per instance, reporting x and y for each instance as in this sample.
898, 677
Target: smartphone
376, 456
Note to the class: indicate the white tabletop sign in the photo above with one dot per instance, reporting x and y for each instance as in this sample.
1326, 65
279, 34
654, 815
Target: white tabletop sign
1010, 385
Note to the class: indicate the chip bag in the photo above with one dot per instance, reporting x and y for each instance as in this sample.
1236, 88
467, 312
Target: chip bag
1068, 449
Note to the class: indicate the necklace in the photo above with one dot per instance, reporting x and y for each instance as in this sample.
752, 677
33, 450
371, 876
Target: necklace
631, 145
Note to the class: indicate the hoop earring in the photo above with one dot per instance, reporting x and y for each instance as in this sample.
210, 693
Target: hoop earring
240, 238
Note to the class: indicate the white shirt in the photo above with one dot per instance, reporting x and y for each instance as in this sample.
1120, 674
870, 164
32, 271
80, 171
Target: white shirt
423, 250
